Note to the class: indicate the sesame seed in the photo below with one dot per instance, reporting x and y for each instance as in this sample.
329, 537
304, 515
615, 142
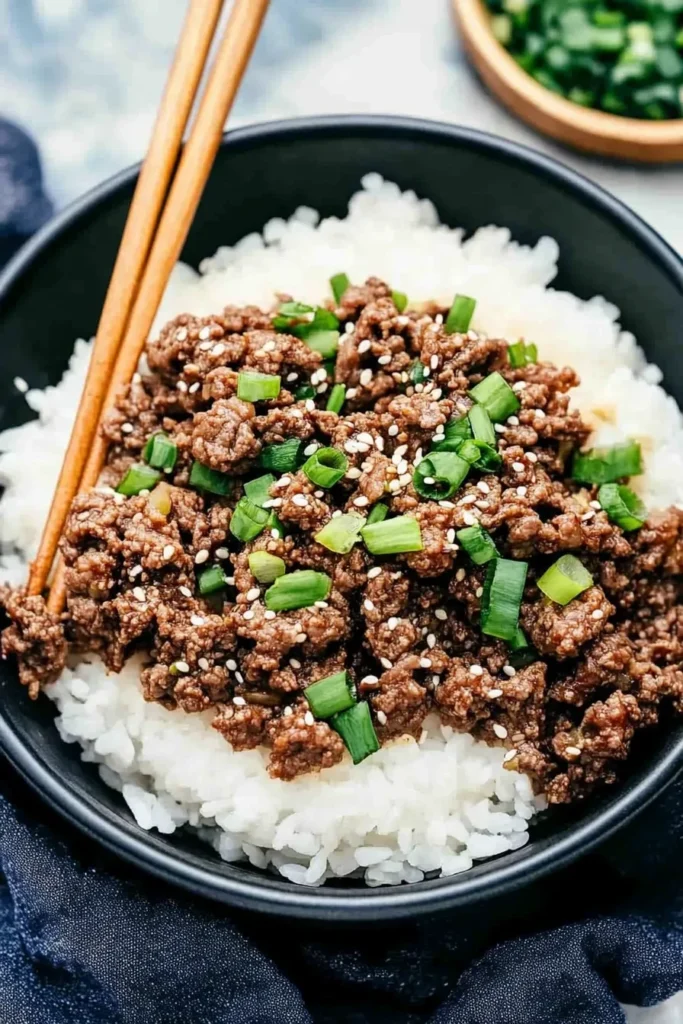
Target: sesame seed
182, 666
205, 346
351, 392
519, 385
437, 393
253, 594
431, 640
446, 504
364, 437
499, 428
368, 605
596, 505
222, 552
185, 591
379, 444
231, 665
469, 499
127, 428
203, 664
393, 430
460, 575
337, 512
301, 500
573, 751
361, 501
310, 448
240, 702
518, 467
521, 492
218, 349
372, 573
349, 328
168, 551
197, 620
321, 604
139, 594
386, 663
476, 670
483, 505
309, 405
509, 671
425, 662
295, 663
364, 346
392, 623
275, 534
230, 580
291, 377
269, 614
365, 377
441, 614
513, 421
248, 615
429, 480
500, 731
288, 712
350, 447
394, 485
597, 614
381, 718
492, 694
426, 371
201, 557
509, 756
469, 519
450, 536
204, 333
434, 362
587, 516
353, 473
531, 457
479, 591
369, 680
301, 638
383, 360
135, 571
274, 502
181, 334
318, 494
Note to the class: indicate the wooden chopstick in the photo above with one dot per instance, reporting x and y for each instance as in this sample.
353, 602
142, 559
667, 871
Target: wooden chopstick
162, 156
184, 195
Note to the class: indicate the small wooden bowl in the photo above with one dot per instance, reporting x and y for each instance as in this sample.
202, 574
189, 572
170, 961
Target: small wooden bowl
591, 130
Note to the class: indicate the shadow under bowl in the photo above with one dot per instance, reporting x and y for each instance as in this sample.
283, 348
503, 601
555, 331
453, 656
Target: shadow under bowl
52, 293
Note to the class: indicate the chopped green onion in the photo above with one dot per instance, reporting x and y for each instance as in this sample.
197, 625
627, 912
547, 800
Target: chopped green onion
299, 589
439, 475
460, 315
138, 478
605, 465
324, 342
258, 490
337, 398
400, 300
331, 695
248, 520
455, 432
357, 731
521, 651
326, 467
339, 283
497, 397
274, 525
478, 544
266, 567
330, 365
393, 536
283, 458
304, 391
502, 597
623, 506
481, 455
377, 514
294, 309
206, 479
565, 580
160, 452
416, 372
212, 579
341, 533
257, 387
482, 428
520, 354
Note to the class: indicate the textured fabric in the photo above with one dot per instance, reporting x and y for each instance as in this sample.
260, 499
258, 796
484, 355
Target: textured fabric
86, 940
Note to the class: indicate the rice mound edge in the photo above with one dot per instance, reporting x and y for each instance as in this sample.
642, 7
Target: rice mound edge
433, 806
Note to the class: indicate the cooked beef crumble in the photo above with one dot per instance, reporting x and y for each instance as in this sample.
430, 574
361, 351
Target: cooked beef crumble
406, 627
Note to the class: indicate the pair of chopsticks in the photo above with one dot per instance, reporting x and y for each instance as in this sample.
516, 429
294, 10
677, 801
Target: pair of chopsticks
158, 221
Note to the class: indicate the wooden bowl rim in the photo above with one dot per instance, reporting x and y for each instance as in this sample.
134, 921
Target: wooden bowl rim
478, 36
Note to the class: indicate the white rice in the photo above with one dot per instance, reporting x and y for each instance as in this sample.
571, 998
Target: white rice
433, 806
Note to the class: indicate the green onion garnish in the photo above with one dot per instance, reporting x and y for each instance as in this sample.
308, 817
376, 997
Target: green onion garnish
283, 458
138, 478
304, 392
478, 544
331, 695
266, 567
400, 300
502, 597
257, 387
481, 455
324, 342
565, 580
455, 432
341, 533
623, 506
339, 283
294, 309
520, 354
482, 428
393, 536
497, 397
337, 398
357, 731
298, 589
210, 580
439, 475
326, 467
460, 315
521, 651
416, 372
258, 490
377, 514
206, 479
248, 520
605, 465
160, 452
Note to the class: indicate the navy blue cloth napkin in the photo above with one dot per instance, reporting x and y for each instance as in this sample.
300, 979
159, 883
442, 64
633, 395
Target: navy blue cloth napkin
84, 939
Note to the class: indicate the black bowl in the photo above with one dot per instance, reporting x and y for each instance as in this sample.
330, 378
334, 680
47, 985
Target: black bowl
53, 290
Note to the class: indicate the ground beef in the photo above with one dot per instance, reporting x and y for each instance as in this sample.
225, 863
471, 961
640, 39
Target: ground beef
405, 627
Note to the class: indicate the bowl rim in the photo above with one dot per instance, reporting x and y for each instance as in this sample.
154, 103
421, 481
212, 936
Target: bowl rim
265, 892
587, 128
